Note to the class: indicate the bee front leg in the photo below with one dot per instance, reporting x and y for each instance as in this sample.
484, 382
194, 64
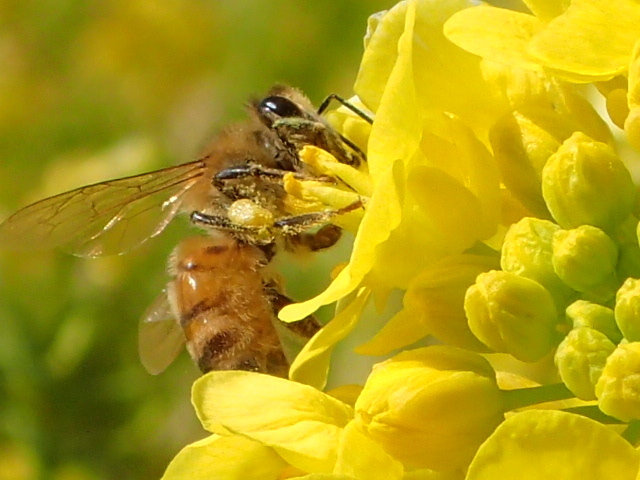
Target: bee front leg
252, 170
230, 180
299, 132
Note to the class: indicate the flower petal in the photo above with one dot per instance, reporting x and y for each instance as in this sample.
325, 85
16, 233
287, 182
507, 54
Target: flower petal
574, 42
301, 423
361, 457
539, 444
225, 458
496, 34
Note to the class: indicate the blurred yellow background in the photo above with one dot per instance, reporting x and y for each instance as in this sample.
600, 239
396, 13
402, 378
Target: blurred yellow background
97, 89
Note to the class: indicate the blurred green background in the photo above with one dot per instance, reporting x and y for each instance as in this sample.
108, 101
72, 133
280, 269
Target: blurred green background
98, 89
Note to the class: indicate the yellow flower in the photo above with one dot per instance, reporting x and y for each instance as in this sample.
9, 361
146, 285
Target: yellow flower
431, 407
269, 428
483, 154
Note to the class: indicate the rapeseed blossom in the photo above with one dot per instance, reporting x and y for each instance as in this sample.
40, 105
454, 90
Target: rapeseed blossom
497, 202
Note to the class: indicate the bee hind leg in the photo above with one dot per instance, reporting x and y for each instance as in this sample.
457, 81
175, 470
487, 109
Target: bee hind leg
298, 223
293, 228
246, 233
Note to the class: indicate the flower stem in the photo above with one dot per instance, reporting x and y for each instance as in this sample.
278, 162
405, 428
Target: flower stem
524, 397
632, 433
594, 413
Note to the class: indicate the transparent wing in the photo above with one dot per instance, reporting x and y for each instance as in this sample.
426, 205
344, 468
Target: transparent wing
103, 219
160, 337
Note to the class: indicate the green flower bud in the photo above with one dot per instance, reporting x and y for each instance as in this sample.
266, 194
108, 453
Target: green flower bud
618, 389
512, 314
528, 251
585, 182
580, 359
585, 258
431, 407
627, 310
586, 314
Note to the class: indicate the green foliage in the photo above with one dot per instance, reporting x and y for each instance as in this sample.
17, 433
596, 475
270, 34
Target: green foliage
100, 89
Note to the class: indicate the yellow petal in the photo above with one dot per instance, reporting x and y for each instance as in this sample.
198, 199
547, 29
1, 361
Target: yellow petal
300, 422
441, 70
311, 366
593, 38
395, 135
496, 34
361, 457
632, 122
225, 458
380, 54
538, 444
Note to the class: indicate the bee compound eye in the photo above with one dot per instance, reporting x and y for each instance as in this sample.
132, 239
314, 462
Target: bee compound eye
280, 106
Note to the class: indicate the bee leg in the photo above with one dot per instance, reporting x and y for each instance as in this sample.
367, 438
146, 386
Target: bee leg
347, 104
298, 132
258, 235
229, 181
305, 328
291, 227
327, 236
299, 223
323, 106
252, 169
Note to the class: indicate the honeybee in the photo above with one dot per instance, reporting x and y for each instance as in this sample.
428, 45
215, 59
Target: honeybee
225, 301
220, 294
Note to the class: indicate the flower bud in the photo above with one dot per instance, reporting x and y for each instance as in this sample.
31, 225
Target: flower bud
586, 314
627, 310
512, 314
431, 407
528, 251
618, 389
580, 359
585, 258
585, 182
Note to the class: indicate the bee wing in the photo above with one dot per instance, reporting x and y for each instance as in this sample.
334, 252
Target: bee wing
105, 218
160, 337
